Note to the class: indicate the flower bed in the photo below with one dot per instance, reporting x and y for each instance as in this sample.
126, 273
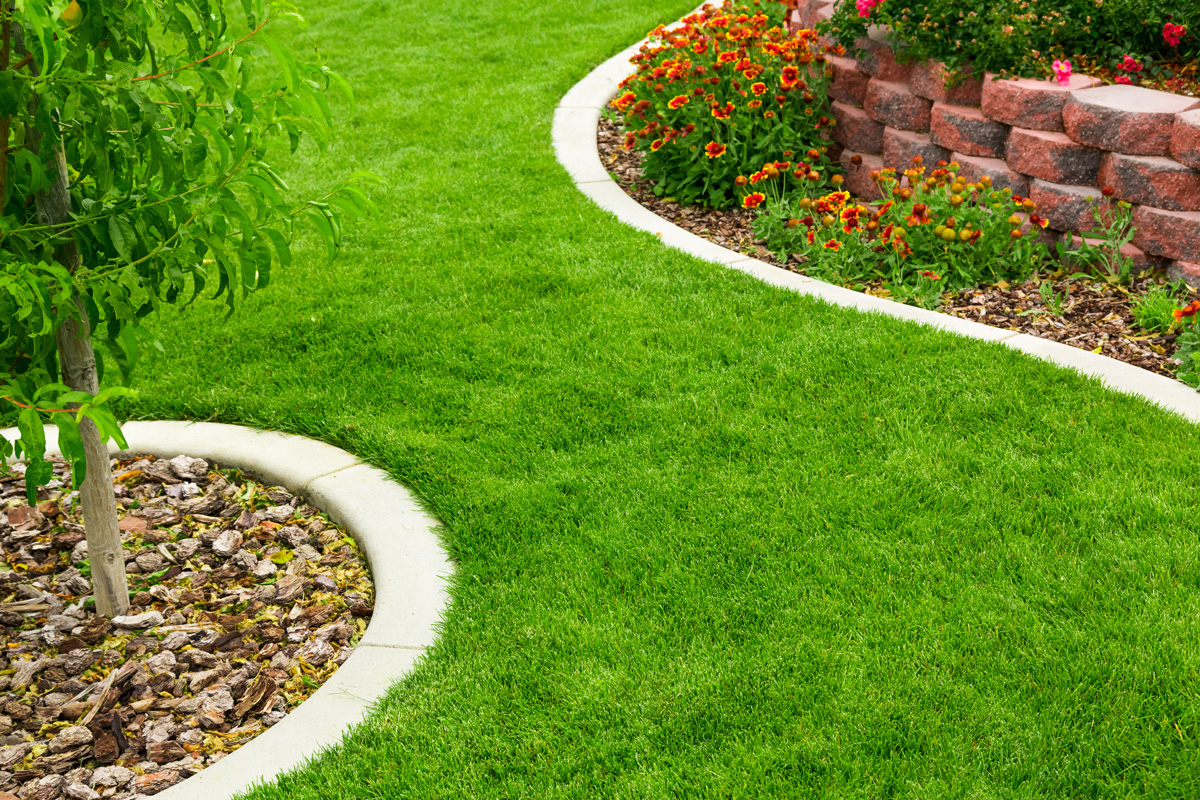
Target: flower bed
1128, 322
957, 184
1057, 142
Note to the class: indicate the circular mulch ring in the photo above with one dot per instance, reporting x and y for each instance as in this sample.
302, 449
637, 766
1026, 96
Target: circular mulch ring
244, 601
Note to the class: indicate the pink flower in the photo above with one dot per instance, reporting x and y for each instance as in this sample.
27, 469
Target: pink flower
865, 6
1062, 71
1173, 33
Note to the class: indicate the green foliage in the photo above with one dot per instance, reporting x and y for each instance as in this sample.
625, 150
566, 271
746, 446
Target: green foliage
167, 115
1020, 37
1054, 302
718, 96
1153, 310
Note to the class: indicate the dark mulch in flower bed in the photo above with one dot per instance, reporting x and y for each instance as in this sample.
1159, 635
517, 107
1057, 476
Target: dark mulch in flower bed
1097, 315
1185, 78
245, 601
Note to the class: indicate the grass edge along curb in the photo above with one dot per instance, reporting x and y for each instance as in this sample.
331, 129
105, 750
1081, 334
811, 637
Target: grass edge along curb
409, 567
575, 147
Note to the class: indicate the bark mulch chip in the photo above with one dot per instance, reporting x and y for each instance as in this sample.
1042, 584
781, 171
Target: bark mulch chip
1096, 315
244, 601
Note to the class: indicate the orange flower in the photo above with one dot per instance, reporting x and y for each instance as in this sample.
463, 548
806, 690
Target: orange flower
1187, 311
657, 143
714, 150
768, 114
791, 75
933, 276
728, 57
679, 101
758, 88
919, 215
622, 102
834, 245
753, 200
755, 104
758, 176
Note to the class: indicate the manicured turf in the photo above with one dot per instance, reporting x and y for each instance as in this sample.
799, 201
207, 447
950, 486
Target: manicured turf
712, 539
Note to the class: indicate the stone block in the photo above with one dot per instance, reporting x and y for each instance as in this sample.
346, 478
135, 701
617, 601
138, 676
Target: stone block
879, 60
856, 130
849, 83
896, 106
1125, 119
929, 78
1031, 104
1152, 181
972, 168
1185, 138
1052, 156
1186, 271
900, 147
966, 130
858, 177
1170, 234
1068, 208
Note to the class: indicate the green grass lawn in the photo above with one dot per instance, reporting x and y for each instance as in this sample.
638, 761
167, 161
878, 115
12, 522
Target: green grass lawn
713, 539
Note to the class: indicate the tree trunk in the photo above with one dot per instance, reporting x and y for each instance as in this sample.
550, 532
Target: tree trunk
77, 363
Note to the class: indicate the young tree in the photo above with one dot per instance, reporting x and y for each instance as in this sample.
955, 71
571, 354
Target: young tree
134, 174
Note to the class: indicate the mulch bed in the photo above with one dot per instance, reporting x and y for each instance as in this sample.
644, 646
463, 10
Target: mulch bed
245, 601
1096, 317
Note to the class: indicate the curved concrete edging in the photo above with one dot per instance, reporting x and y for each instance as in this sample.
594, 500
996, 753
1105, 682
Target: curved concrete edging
574, 139
409, 567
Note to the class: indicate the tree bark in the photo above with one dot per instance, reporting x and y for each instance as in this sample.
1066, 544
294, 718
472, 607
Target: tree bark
77, 363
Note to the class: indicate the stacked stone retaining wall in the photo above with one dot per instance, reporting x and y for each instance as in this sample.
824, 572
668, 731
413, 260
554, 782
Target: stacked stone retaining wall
1057, 145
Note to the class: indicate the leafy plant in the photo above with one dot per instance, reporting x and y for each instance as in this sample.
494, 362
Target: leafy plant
1188, 354
135, 173
1099, 253
725, 91
1054, 302
1154, 310
926, 291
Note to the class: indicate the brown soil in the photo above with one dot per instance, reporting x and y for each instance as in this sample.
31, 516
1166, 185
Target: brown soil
245, 601
1096, 316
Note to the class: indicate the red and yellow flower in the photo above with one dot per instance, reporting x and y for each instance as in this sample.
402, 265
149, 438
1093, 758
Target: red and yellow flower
714, 150
679, 101
722, 112
753, 200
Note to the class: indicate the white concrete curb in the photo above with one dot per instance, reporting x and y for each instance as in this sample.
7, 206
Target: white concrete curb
408, 564
574, 137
